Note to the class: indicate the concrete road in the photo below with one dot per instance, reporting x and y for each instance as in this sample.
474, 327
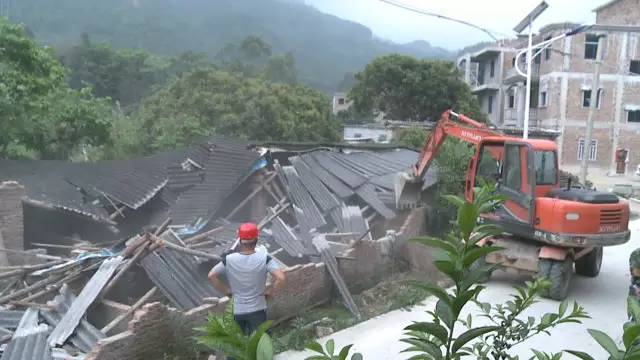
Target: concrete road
603, 297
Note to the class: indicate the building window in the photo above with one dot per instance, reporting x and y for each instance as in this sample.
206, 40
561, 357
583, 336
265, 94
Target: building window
382, 138
633, 116
593, 149
547, 50
341, 101
543, 99
536, 59
357, 135
635, 67
512, 101
490, 104
492, 68
590, 46
586, 98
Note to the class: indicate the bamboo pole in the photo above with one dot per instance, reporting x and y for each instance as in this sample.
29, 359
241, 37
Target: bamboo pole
251, 196
35, 286
130, 262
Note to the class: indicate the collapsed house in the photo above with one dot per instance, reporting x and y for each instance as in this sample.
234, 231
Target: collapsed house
327, 216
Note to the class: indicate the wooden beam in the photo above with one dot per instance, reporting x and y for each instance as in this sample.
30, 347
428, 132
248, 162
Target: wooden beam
27, 253
275, 214
118, 210
172, 246
127, 265
163, 226
251, 196
202, 236
127, 313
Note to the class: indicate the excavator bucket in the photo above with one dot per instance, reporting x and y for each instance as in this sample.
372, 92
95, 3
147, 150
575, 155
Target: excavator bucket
408, 190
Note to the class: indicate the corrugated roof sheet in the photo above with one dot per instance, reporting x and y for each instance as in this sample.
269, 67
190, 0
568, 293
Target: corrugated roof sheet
329, 259
85, 335
177, 276
90, 291
74, 186
354, 222
311, 217
316, 188
31, 345
286, 239
331, 181
225, 163
330, 163
368, 194
9, 319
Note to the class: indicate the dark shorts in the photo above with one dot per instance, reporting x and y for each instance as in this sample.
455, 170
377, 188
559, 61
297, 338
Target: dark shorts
249, 322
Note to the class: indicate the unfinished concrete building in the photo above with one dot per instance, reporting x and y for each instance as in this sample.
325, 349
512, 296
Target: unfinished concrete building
561, 86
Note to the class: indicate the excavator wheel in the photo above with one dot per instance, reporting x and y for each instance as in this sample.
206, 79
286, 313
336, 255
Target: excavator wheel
559, 273
590, 264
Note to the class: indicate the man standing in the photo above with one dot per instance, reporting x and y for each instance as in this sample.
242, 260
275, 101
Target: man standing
246, 272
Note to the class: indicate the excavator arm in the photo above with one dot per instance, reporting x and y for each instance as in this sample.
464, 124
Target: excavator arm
408, 186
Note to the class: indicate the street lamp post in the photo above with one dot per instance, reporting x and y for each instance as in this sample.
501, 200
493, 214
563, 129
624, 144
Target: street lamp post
527, 22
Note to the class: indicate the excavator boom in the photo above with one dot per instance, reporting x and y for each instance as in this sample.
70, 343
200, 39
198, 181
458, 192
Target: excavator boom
408, 186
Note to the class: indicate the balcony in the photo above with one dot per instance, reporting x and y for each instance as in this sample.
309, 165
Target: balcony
512, 76
511, 117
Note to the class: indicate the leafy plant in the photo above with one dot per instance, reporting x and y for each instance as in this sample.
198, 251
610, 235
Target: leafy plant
461, 259
328, 353
513, 330
630, 339
222, 333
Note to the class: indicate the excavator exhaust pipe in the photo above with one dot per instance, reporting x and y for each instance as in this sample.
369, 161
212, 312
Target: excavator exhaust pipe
408, 191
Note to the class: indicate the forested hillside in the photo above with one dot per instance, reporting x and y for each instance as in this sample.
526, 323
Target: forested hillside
324, 47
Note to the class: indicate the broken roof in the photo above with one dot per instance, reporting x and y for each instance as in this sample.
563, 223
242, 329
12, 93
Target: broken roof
90, 188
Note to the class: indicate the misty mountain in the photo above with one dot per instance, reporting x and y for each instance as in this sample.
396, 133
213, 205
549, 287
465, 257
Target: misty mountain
325, 47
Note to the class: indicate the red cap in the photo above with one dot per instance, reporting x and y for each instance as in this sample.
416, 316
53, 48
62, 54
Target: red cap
248, 231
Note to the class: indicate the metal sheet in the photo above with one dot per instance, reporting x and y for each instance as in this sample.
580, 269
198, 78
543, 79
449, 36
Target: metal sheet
344, 173
316, 188
28, 322
9, 319
177, 276
331, 181
327, 256
85, 335
354, 222
91, 290
30, 345
286, 239
368, 194
311, 215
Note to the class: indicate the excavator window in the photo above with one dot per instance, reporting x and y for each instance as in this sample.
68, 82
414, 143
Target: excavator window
545, 165
489, 165
513, 168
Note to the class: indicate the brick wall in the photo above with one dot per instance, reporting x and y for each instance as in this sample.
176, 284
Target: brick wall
306, 286
623, 12
11, 218
154, 330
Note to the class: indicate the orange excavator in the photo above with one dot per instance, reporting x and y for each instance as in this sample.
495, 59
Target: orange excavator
548, 229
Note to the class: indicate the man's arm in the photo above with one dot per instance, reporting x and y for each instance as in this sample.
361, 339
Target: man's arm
214, 278
279, 278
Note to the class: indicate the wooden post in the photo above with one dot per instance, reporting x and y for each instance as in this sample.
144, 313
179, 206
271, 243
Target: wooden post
251, 196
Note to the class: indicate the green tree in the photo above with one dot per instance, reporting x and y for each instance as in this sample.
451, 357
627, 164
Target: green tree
124, 75
41, 116
208, 101
406, 88
413, 137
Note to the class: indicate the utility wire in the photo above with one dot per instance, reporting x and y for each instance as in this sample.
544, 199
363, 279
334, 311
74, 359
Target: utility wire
424, 12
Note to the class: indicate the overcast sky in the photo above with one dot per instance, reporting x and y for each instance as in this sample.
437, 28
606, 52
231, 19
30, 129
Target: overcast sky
501, 16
